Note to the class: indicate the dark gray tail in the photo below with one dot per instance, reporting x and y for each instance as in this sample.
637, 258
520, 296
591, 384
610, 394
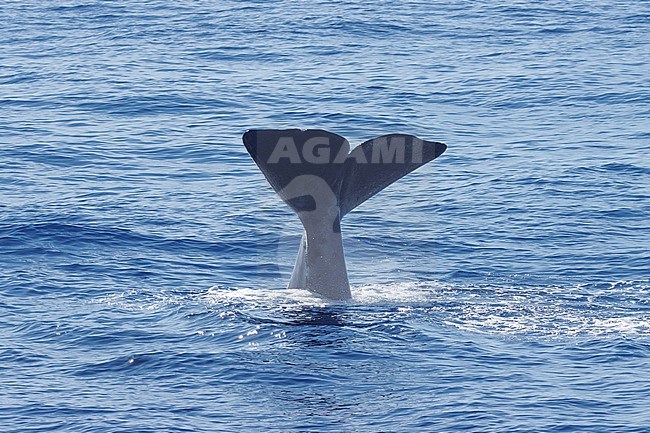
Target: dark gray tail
321, 180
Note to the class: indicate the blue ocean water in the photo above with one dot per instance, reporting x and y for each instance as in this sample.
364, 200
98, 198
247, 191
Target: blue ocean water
503, 287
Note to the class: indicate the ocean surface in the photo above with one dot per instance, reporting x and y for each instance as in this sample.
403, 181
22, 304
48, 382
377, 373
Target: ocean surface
143, 256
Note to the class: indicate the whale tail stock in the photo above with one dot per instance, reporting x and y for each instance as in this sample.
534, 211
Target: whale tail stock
317, 175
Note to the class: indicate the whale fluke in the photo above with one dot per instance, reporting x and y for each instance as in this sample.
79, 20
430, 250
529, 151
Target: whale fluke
315, 173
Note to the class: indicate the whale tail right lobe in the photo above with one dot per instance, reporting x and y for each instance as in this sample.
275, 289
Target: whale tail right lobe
377, 163
315, 173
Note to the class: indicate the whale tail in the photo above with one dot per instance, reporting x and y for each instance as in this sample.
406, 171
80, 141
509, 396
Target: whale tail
317, 175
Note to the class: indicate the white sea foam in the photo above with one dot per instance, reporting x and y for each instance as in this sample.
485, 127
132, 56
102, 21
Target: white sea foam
552, 311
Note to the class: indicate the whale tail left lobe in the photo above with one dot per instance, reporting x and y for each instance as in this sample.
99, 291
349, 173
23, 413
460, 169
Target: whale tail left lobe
286, 155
